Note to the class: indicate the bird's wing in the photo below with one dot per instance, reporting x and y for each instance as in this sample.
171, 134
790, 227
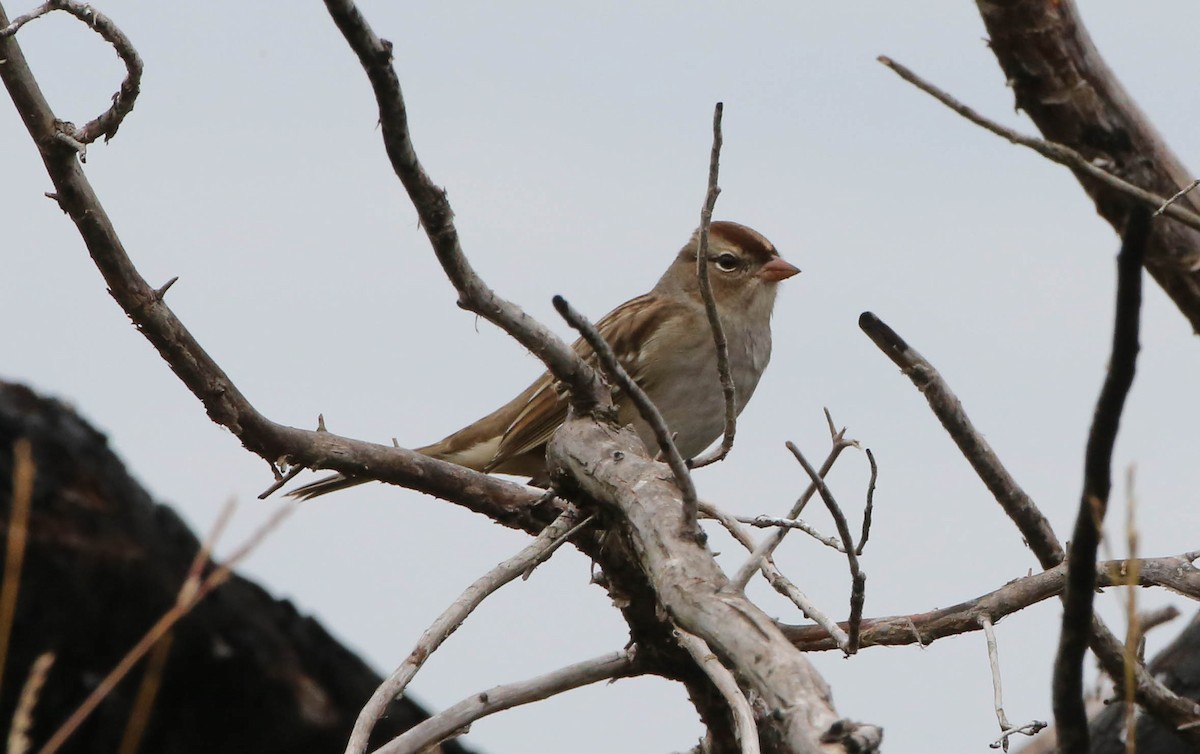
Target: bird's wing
627, 329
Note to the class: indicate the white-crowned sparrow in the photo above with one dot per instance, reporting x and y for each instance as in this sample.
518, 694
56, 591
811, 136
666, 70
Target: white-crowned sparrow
664, 341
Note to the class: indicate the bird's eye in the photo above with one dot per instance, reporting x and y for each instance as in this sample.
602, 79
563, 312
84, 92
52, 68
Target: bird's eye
727, 262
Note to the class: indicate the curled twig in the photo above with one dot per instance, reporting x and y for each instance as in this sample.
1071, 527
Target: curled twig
107, 123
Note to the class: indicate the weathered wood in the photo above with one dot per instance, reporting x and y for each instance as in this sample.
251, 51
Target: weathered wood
1062, 82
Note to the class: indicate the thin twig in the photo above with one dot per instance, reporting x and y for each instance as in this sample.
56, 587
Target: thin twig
280, 482
744, 726
646, 409
870, 508
1174, 573
15, 25
1177, 196
446, 623
1133, 628
18, 535
772, 541
446, 723
858, 579
186, 600
728, 389
1059, 153
1006, 728
989, 633
766, 522
777, 580
1070, 713
1028, 729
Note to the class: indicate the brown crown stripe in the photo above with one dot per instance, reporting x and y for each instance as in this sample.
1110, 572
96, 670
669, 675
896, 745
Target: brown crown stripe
745, 238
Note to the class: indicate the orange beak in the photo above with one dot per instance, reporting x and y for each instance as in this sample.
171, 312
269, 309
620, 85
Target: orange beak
777, 269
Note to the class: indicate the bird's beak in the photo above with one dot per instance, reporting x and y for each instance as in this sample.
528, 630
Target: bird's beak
777, 269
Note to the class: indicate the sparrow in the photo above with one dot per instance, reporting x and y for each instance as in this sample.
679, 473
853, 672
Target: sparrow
663, 340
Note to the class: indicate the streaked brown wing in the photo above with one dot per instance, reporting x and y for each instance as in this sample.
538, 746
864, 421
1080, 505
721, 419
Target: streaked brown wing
634, 322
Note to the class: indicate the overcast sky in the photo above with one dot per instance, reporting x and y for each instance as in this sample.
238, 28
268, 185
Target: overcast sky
574, 147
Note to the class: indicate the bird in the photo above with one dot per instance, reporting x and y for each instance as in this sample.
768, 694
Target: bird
664, 341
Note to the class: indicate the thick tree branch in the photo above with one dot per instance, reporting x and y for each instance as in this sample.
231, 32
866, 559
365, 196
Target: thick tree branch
608, 467
1175, 573
645, 407
1060, 80
1069, 712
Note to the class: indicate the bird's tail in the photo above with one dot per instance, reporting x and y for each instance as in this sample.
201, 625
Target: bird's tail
325, 485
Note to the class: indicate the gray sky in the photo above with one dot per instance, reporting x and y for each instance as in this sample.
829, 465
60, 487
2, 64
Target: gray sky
574, 147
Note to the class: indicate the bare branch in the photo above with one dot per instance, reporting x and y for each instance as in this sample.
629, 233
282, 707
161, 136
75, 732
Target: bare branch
770, 542
1174, 573
604, 467
858, 579
375, 55
446, 723
870, 507
1060, 80
728, 389
645, 407
1177, 196
1059, 153
766, 522
777, 580
507, 503
739, 707
1034, 528
107, 123
448, 622
1006, 728
1070, 715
